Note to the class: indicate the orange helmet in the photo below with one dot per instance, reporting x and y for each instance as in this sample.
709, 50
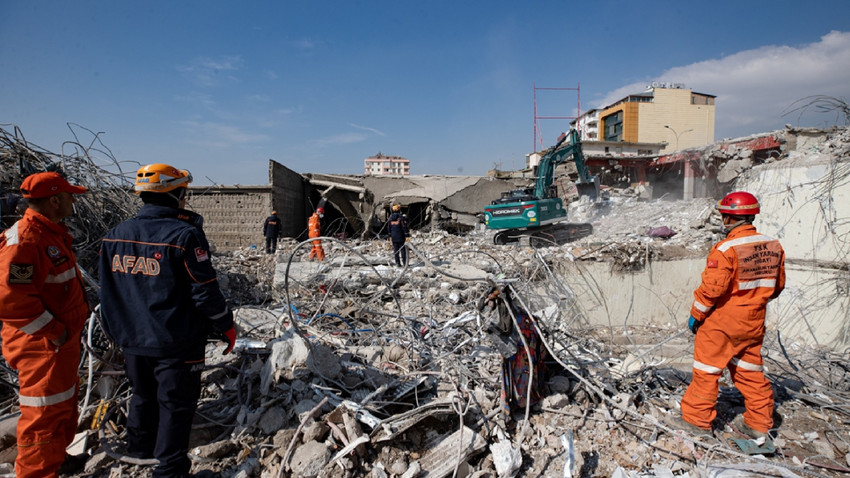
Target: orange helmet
161, 178
396, 207
739, 203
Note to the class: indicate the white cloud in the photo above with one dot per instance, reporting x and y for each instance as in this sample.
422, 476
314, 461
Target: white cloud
209, 71
755, 87
349, 138
220, 135
305, 44
287, 111
344, 138
366, 128
196, 99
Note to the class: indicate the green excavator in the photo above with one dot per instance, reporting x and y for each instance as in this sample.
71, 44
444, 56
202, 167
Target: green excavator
537, 215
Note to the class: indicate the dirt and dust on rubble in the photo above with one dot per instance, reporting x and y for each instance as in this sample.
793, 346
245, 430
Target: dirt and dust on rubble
353, 367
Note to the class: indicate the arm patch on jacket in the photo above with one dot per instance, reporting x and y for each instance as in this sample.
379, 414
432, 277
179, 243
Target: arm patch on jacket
712, 264
201, 255
21, 273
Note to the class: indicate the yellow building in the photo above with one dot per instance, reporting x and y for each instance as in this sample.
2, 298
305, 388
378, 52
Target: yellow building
664, 113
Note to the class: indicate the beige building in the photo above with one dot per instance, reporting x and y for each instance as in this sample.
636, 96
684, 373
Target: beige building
664, 113
383, 165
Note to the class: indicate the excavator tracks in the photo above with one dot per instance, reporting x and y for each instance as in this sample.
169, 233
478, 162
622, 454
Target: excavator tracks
544, 236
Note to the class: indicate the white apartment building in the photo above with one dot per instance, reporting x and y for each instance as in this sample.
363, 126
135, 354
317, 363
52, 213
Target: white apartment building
587, 125
383, 165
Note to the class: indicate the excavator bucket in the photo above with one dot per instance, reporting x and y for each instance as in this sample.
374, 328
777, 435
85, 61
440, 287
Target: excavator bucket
590, 189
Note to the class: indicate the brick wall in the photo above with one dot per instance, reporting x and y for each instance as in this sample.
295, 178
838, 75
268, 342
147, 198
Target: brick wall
233, 217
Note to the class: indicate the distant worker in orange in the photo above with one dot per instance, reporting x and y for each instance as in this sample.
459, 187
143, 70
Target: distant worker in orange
742, 274
314, 226
43, 306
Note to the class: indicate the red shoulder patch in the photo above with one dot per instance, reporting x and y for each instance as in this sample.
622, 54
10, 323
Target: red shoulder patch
712, 264
201, 255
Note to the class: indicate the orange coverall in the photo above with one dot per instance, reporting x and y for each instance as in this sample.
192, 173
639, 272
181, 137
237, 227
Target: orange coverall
41, 296
743, 272
315, 230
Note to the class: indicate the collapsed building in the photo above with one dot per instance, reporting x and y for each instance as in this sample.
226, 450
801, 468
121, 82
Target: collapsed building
351, 367
357, 205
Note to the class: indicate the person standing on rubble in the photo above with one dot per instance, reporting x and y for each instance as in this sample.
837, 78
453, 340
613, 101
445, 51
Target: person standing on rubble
399, 232
271, 231
43, 307
743, 273
314, 230
159, 302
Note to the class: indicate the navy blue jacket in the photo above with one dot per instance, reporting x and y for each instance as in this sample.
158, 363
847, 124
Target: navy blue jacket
397, 225
158, 290
271, 228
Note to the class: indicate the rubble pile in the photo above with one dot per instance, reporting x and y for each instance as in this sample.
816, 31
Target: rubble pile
629, 232
354, 367
90, 165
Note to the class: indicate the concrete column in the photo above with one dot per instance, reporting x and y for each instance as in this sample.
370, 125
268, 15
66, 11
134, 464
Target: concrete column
435, 220
641, 173
690, 174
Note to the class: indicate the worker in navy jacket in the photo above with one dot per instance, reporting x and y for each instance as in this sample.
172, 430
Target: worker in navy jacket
271, 231
397, 225
160, 301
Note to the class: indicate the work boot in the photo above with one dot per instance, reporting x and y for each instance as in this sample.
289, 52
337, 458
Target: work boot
676, 422
73, 464
739, 424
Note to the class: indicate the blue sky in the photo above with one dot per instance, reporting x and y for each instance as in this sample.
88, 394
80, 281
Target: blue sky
221, 87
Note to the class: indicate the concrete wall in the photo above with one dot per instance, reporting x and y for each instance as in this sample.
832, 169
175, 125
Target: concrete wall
804, 203
662, 295
288, 197
233, 216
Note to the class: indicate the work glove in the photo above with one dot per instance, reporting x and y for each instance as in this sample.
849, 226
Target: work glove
693, 324
230, 338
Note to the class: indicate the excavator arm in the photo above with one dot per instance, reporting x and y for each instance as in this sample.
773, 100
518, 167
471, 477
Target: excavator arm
587, 185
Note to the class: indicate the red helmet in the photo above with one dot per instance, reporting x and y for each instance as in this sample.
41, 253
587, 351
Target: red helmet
739, 203
320, 210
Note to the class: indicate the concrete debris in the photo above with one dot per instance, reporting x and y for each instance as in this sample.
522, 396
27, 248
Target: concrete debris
352, 367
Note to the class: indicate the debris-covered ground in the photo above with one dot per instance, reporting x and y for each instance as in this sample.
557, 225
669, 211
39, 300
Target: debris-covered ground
354, 367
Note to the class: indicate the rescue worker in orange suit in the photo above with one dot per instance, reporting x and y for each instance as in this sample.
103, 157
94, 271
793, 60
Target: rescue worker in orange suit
43, 306
399, 232
271, 231
743, 273
160, 301
314, 226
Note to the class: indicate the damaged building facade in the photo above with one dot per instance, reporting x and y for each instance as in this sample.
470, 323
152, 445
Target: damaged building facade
358, 205
355, 206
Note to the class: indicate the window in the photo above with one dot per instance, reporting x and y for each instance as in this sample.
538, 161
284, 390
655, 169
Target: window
614, 126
